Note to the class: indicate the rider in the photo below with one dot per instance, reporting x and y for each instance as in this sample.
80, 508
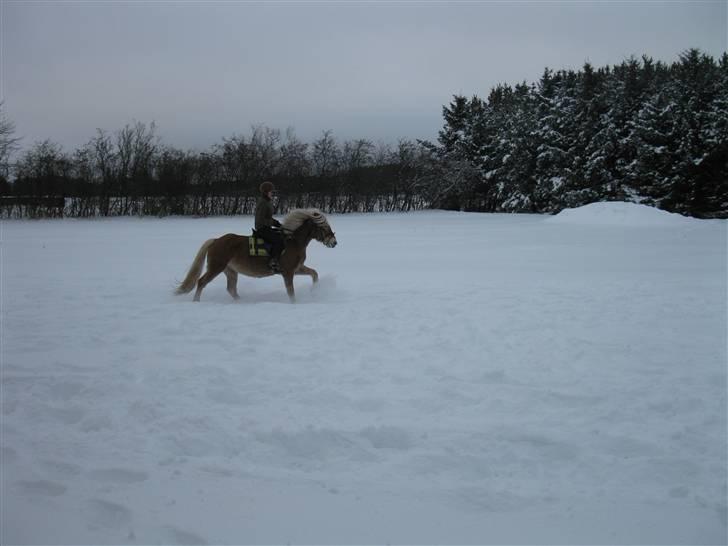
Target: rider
267, 227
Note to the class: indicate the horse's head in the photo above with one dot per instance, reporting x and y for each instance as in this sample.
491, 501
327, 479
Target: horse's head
322, 231
310, 219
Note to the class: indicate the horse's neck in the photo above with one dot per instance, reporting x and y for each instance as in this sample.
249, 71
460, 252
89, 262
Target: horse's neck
303, 235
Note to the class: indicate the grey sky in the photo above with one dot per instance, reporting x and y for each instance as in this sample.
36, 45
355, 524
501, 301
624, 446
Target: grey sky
207, 70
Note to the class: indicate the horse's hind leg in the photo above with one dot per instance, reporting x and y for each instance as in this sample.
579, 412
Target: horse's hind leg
232, 282
303, 270
288, 280
213, 270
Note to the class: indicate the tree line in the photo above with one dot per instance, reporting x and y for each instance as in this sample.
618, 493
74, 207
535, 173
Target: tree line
130, 172
642, 131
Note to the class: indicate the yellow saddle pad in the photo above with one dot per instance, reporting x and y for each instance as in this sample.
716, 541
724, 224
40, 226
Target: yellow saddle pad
257, 246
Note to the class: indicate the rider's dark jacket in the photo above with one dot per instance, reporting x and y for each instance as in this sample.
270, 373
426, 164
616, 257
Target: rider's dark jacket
264, 214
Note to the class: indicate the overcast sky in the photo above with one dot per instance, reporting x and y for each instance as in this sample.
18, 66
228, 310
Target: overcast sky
377, 70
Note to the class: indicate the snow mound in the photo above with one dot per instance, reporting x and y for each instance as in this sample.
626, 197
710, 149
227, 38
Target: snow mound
616, 213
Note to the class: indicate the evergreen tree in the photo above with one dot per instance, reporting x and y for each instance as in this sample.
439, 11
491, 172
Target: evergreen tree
520, 145
602, 135
652, 174
640, 131
553, 145
453, 133
696, 85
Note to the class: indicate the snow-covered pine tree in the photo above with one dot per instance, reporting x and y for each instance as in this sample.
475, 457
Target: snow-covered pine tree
697, 85
711, 168
601, 151
555, 135
636, 87
459, 171
494, 145
653, 135
568, 174
714, 165
520, 153
452, 135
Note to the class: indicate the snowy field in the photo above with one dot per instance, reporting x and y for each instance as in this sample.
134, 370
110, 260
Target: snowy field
455, 378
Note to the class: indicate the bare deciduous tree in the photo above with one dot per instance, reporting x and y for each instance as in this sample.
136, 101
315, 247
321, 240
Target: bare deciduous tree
325, 155
8, 142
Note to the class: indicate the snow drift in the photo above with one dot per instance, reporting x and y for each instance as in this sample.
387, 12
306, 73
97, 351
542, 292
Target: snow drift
618, 213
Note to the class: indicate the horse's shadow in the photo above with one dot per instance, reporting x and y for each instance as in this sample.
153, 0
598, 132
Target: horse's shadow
323, 291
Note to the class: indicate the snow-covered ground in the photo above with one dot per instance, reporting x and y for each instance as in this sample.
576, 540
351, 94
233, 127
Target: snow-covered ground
455, 378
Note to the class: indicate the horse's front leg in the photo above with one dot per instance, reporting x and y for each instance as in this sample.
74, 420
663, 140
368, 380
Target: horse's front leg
288, 279
303, 270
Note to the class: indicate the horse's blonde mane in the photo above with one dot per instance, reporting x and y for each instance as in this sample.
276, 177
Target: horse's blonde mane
297, 217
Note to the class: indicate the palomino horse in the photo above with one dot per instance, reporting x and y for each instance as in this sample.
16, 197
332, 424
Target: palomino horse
230, 253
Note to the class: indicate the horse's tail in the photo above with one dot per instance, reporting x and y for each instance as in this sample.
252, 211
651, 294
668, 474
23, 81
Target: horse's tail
195, 270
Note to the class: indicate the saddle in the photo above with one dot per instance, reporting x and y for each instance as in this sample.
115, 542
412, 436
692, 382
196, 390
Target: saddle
257, 245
